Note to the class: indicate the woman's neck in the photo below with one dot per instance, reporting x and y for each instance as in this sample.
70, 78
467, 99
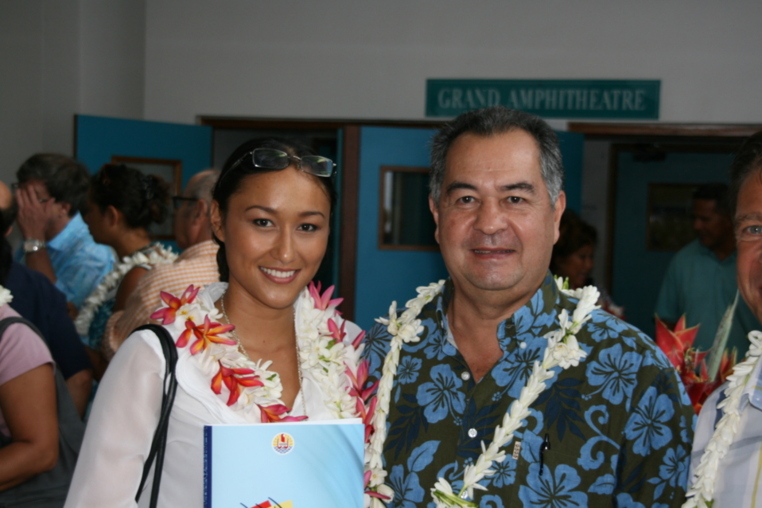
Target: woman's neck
131, 241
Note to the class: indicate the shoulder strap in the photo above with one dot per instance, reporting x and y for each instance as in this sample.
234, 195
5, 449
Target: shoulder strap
12, 320
159, 443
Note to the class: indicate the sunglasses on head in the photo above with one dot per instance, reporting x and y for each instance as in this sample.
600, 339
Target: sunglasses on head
272, 158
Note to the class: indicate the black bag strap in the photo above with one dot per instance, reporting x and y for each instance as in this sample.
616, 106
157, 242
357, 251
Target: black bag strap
159, 443
12, 320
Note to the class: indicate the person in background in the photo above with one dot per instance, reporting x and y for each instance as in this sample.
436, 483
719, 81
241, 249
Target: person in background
574, 254
496, 385
196, 265
122, 205
701, 278
729, 470
50, 193
40, 430
36, 298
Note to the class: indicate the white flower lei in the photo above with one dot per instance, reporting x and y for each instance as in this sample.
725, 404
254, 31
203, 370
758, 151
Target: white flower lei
5, 296
562, 351
158, 255
701, 492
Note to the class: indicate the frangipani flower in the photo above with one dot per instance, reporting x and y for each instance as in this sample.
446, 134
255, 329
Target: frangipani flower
273, 412
206, 335
234, 379
168, 314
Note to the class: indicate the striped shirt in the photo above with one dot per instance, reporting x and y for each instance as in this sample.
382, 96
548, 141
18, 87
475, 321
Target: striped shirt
739, 482
197, 265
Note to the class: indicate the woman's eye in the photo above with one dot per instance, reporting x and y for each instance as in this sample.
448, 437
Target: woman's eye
261, 222
308, 227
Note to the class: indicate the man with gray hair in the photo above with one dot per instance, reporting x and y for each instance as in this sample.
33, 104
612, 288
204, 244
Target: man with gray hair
726, 463
498, 388
196, 265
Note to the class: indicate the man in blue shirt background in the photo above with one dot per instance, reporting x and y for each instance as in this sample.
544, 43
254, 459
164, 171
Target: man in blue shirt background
701, 278
51, 192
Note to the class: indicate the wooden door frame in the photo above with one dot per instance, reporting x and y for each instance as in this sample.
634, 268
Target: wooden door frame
350, 186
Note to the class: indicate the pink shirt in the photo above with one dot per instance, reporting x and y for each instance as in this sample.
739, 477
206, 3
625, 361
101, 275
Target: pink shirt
21, 350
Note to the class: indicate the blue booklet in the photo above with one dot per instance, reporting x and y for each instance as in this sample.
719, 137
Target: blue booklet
284, 465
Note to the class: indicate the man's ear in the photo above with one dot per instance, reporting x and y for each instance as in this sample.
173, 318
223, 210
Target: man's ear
200, 210
66, 207
558, 211
435, 212
112, 215
216, 222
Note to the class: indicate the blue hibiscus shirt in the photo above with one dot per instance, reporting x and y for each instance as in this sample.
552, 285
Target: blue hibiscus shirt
617, 429
79, 262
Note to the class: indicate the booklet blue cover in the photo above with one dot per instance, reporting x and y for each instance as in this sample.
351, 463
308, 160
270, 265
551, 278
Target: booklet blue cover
286, 465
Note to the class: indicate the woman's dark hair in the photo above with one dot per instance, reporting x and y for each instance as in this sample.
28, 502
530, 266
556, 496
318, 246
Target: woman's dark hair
231, 179
143, 199
574, 233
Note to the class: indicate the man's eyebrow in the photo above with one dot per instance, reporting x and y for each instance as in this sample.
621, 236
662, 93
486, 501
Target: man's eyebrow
525, 186
753, 216
459, 185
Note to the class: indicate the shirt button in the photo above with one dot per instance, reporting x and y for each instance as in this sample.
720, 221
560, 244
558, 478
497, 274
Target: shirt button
465, 375
472, 433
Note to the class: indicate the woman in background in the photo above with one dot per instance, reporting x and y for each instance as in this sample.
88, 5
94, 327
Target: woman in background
574, 255
122, 205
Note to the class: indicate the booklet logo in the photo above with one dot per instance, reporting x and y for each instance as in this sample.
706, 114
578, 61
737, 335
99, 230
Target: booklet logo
283, 443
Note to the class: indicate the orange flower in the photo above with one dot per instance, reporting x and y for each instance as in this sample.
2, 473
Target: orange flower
234, 379
168, 314
675, 343
272, 413
205, 334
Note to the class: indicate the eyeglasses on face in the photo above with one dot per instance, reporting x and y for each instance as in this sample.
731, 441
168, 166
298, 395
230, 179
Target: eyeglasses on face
271, 158
177, 201
16, 186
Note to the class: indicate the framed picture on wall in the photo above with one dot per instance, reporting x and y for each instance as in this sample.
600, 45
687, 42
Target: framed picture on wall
669, 225
171, 171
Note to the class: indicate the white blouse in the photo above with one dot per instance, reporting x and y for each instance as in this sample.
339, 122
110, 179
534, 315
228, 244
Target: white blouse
126, 411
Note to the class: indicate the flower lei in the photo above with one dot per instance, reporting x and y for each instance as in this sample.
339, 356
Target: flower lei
320, 332
5, 296
702, 490
158, 255
562, 351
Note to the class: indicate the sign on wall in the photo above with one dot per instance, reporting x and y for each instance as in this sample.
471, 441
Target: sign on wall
549, 98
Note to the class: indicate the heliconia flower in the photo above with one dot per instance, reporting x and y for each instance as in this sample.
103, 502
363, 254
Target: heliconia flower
168, 314
324, 301
675, 343
337, 332
234, 379
205, 334
359, 381
272, 413
358, 340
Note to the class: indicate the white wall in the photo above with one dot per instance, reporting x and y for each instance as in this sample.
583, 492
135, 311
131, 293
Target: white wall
344, 58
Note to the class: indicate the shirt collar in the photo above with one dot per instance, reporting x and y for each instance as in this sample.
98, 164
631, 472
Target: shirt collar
540, 310
73, 230
752, 393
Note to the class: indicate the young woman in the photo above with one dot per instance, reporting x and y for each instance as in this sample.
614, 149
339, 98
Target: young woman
258, 347
122, 205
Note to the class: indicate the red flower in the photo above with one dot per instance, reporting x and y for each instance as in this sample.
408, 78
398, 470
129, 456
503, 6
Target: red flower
273, 413
234, 380
323, 301
168, 314
205, 334
359, 380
